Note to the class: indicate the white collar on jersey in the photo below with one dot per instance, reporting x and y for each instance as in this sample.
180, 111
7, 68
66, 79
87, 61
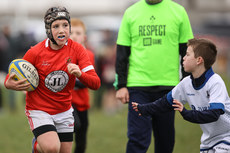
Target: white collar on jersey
47, 42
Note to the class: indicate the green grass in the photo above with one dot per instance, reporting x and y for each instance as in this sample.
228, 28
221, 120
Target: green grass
15, 135
107, 133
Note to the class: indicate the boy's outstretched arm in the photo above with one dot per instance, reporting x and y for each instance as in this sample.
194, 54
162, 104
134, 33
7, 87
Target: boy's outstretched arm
200, 117
159, 106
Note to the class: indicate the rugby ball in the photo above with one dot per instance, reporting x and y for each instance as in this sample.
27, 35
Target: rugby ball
24, 70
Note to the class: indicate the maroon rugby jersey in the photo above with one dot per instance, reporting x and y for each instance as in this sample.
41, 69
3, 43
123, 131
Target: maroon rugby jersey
53, 94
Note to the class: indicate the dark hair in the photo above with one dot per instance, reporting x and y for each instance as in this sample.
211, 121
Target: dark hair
204, 48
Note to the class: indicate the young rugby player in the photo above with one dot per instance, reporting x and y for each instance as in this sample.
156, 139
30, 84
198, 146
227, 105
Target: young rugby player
80, 93
59, 61
206, 94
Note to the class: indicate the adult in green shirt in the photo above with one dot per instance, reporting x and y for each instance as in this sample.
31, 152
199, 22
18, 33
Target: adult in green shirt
152, 37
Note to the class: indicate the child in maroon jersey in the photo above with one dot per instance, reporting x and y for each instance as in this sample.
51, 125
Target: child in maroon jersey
59, 61
80, 92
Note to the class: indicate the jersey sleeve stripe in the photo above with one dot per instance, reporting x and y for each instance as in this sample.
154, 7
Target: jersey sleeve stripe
170, 98
217, 106
90, 67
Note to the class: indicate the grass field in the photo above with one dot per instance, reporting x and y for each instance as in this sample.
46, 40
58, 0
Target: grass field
107, 133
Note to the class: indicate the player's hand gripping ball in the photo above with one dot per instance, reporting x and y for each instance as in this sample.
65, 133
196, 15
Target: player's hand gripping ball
24, 70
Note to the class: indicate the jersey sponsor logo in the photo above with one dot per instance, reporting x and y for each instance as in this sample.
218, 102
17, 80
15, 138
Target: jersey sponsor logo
222, 148
200, 108
208, 95
190, 94
152, 30
152, 18
193, 107
45, 63
71, 125
56, 80
68, 59
61, 14
149, 32
149, 41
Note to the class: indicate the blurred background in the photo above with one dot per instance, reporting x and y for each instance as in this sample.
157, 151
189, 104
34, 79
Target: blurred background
22, 26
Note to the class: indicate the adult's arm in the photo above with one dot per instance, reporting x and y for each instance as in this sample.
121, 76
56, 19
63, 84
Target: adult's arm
122, 62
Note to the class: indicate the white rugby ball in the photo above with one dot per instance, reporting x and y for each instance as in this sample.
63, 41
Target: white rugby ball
24, 70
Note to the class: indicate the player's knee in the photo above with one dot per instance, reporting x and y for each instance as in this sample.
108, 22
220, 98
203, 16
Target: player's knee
52, 148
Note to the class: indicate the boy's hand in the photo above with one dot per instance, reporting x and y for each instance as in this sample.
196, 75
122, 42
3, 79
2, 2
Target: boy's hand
178, 105
134, 105
19, 85
74, 69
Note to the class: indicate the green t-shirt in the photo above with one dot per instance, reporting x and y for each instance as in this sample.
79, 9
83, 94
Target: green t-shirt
154, 33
